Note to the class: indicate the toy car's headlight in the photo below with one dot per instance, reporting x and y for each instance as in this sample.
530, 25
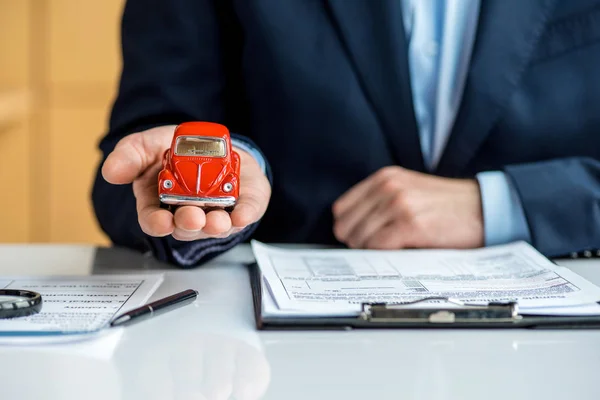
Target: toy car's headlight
228, 187
167, 184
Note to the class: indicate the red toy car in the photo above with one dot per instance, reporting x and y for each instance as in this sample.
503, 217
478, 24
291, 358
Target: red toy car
200, 168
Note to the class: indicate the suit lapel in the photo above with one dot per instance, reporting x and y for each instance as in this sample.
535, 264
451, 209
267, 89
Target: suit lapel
508, 32
373, 35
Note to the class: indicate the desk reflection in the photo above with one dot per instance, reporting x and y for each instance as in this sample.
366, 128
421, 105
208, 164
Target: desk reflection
196, 366
32, 374
434, 365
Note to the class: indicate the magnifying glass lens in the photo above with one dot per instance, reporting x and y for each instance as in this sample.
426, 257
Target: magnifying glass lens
11, 299
19, 303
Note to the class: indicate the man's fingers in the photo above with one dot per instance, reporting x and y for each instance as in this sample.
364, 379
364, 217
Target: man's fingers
183, 235
125, 162
189, 221
135, 153
255, 192
190, 218
389, 237
369, 226
217, 223
387, 176
248, 210
192, 223
352, 197
353, 219
153, 220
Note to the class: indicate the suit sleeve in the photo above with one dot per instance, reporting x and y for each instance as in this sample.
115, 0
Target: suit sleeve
561, 201
178, 65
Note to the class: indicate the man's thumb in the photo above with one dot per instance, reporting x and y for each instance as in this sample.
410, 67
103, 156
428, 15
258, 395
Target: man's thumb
126, 162
135, 153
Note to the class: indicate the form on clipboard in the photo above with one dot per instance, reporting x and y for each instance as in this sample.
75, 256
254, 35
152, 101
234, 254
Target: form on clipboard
510, 285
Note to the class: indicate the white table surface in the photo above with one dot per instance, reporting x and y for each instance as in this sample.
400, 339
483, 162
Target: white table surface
211, 349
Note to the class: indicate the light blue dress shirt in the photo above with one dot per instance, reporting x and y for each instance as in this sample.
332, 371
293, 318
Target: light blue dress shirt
440, 35
250, 150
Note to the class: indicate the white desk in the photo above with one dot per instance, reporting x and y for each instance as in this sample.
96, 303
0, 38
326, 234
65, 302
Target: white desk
211, 350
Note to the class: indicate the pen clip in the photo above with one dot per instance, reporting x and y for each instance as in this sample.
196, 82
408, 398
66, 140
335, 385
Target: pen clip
457, 311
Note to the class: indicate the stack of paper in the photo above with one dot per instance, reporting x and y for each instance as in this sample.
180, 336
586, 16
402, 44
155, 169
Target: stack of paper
77, 305
337, 282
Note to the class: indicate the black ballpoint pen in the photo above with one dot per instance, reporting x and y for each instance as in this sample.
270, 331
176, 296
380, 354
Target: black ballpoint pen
155, 308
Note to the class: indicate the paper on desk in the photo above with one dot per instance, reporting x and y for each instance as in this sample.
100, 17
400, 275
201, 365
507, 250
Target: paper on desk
78, 305
337, 282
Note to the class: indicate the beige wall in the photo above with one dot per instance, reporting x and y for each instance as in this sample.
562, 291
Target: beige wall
59, 65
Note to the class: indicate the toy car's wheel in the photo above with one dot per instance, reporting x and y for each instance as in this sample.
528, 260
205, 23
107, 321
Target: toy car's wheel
229, 209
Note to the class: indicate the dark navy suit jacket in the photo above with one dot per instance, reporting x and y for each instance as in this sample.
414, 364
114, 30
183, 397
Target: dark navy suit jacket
322, 88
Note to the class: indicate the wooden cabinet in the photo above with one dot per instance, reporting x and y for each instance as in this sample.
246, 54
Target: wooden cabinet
60, 62
15, 158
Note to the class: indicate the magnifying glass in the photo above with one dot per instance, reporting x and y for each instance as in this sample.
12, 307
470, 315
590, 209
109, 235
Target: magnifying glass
19, 303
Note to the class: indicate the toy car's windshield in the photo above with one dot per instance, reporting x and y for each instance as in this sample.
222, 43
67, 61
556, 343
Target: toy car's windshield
200, 146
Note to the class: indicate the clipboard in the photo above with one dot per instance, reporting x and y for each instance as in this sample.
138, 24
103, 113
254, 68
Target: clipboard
455, 315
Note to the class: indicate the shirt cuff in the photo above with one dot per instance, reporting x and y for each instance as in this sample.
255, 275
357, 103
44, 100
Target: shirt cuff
253, 151
503, 217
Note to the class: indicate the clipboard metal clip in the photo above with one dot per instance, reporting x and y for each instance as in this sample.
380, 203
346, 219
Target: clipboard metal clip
455, 312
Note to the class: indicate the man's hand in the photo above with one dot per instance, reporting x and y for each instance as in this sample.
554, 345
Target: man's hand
137, 159
396, 208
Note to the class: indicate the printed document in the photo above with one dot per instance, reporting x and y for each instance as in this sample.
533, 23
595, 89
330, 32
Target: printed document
78, 304
333, 282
